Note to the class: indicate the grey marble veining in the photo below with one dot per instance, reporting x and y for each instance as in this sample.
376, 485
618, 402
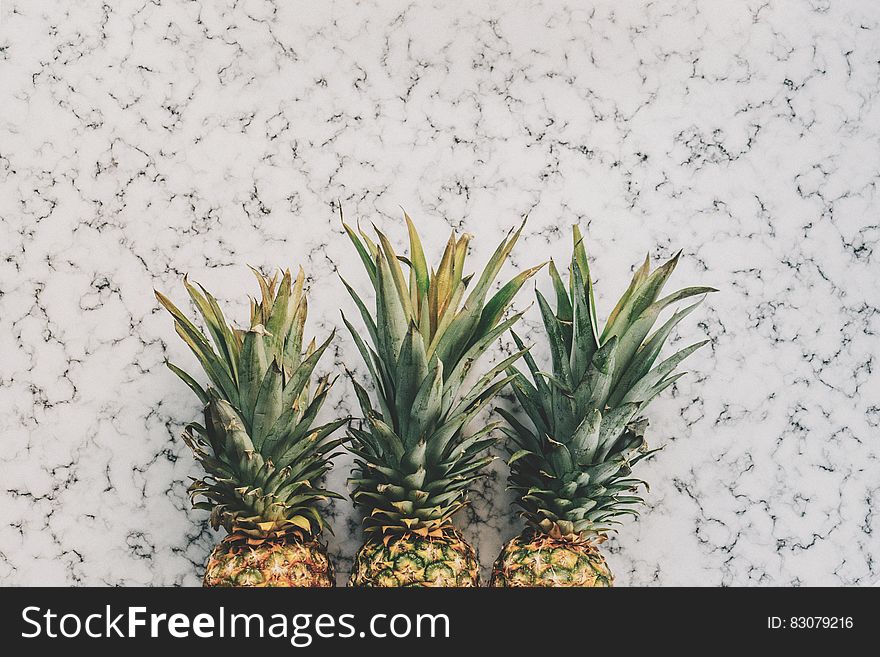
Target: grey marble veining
141, 140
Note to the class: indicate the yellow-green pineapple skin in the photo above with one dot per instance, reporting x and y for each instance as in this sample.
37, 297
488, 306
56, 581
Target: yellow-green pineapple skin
541, 561
416, 561
270, 563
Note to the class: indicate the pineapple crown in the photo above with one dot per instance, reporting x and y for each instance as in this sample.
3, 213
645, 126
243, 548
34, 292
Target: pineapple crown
571, 469
414, 462
263, 459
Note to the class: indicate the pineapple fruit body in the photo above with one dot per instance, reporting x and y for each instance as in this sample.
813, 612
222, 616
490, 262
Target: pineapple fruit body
537, 560
269, 563
416, 561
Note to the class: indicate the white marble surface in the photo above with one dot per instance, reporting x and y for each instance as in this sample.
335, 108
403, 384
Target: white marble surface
141, 140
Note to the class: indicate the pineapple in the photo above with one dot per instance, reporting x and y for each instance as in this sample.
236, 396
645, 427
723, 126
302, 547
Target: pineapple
263, 458
571, 469
414, 457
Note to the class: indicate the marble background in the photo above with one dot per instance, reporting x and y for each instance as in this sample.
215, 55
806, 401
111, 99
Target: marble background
141, 140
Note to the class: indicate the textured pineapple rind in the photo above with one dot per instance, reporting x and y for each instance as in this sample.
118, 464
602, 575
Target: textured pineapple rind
270, 563
415, 561
541, 561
